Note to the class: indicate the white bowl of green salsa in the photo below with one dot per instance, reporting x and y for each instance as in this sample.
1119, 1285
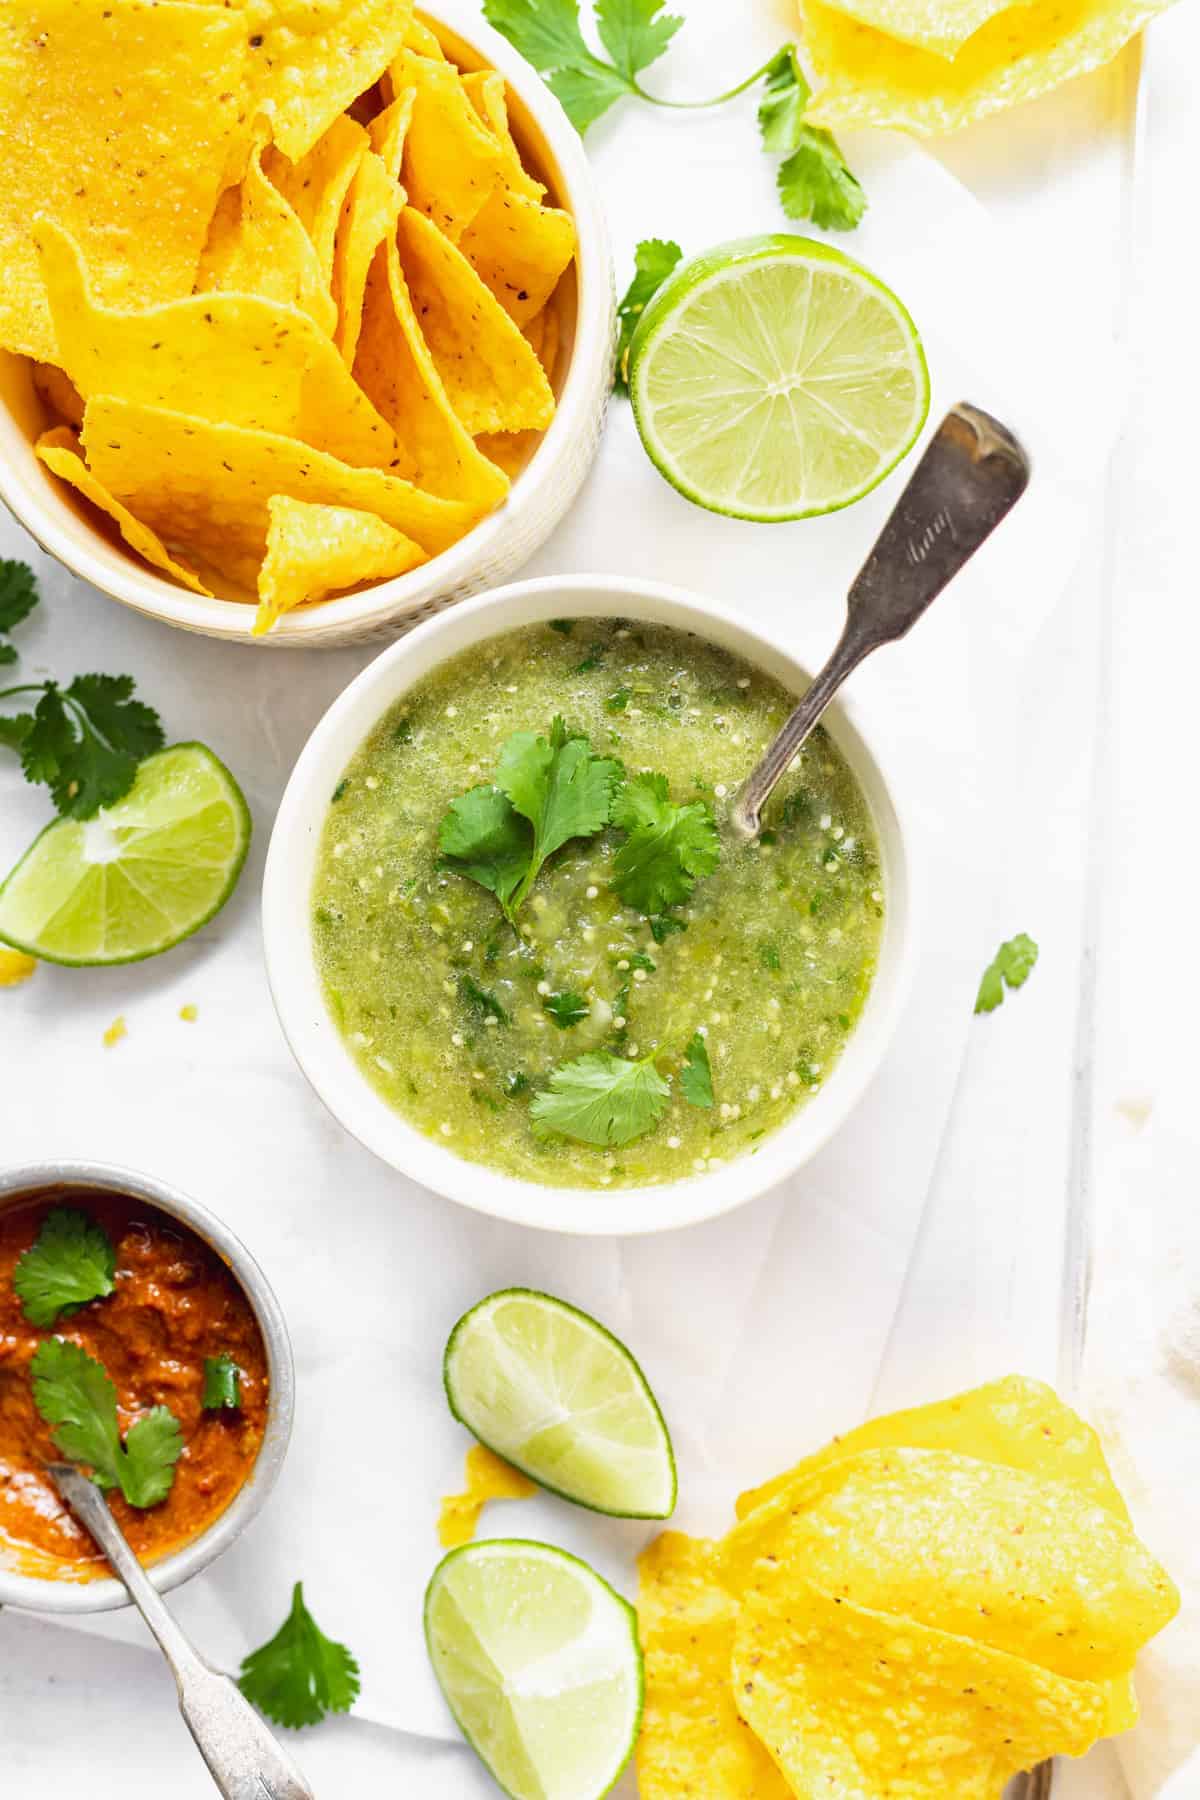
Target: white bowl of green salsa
661, 1022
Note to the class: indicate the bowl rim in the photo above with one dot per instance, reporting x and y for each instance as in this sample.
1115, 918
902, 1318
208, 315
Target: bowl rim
326, 1061
35, 502
33, 1593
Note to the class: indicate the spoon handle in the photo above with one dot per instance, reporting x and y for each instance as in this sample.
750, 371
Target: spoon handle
242, 1755
970, 477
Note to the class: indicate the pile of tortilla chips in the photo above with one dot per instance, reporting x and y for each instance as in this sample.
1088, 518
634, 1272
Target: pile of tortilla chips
927, 1606
935, 65
288, 285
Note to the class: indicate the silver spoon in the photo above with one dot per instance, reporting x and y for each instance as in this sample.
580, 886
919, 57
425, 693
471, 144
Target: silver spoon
972, 474
243, 1757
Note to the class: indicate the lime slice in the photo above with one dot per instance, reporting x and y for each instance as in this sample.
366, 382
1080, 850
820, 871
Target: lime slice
774, 377
539, 1661
559, 1397
139, 876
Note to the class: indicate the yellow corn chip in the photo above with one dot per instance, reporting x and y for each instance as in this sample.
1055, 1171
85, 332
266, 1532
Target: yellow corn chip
394, 368
368, 219
388, 131
258, 245
489, 1477
488, 95
59, 393
490, 372
520, 250
693, 1745
862, 77
313, 551
1016, 1561
316, 186
59, 450
15, 967
420, 38
451, 160
117, 120
242, 360
939, 25
207, 487
1020, 1423
861, 1705
306, 63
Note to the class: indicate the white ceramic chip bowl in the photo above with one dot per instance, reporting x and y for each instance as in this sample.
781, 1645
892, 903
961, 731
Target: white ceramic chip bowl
499, 544
296, 987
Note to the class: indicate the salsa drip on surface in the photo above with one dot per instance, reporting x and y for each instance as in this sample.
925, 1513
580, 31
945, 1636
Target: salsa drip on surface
174, 1306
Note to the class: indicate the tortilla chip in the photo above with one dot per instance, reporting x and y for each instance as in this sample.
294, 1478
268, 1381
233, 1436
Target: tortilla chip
489, 1477
313, 551
861, 77
487, 93
306, 63
520, 250
1020, 1423
942, 26
15, 967
317, 185
425, 42
59, 450
693, 1745
451, 160
1015, 1561
233, 357
368, 219
207, 487
388, 131
117, 121
858, 1704
258, 245
490, 372
394, 368
59, 393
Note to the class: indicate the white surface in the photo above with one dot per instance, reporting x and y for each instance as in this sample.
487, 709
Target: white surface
1015, 1094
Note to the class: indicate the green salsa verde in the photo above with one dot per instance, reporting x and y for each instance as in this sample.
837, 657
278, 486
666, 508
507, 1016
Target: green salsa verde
459, 1017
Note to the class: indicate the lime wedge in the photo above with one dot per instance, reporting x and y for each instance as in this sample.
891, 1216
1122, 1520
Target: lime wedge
540, 1664
774, 377
139, 876
559, 1397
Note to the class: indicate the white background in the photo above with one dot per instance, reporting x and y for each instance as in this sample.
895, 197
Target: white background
1104, 828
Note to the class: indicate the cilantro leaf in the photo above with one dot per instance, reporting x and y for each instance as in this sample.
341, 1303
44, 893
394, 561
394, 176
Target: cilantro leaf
222, 1383
547, 34
601, 1099
635, 33
1012, 964
483, 837
560, 786
74, 1394
85, 741
815, 183
654, 260
786, 94
18, 597
566, 1009
481, 1001
300, 1674
153, 1445
667, 848
70, 1263
662, 925
695, 1077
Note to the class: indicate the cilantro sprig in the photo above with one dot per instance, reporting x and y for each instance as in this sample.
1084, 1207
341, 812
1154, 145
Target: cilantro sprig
222, 1384
695, 1077
1011, 966
76, 1396
300, 1674
667, 846
814, 181
601, 1099
566, 1008
18, 597
70, 1262
654, 259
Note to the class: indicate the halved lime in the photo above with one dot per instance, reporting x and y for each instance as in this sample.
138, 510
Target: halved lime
540, 1664
139, 876
774, 377
555, 1394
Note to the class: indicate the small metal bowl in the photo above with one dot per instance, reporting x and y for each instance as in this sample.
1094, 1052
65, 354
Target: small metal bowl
61, 1594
